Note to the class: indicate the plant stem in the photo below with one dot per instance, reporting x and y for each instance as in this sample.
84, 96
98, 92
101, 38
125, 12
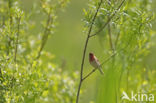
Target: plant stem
78, 93
45, 36
84, 51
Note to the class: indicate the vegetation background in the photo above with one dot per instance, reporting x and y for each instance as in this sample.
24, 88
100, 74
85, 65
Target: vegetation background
54, 77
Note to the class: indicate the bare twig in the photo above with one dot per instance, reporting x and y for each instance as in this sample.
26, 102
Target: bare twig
84, 51
109, 19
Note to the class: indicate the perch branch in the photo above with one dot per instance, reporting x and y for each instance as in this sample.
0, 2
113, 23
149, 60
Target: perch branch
100, 65
85, 48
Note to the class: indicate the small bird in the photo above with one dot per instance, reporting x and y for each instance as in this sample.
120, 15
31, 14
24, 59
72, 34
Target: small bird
94, 62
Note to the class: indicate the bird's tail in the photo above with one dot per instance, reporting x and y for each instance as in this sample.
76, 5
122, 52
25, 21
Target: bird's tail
101, 71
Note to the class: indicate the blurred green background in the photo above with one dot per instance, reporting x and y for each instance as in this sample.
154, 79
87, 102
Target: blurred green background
68, 41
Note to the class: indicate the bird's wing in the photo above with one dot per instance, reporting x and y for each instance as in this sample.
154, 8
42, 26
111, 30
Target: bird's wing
97, 60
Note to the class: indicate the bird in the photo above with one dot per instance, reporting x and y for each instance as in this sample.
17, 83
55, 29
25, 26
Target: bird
95, 62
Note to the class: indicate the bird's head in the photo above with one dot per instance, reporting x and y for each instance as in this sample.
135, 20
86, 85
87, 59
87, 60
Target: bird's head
91, 56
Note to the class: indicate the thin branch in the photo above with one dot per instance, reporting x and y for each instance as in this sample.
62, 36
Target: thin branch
45, 35
100, 65
108, 20
89, 32
84, 51
18, 30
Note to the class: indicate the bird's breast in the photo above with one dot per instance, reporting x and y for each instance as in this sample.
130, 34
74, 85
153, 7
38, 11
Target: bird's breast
94, 64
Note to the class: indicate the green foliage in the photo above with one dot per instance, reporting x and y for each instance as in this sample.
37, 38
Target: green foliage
130, 31
27, 74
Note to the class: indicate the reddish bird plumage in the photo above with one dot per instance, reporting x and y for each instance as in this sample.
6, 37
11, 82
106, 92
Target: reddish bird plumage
91, 57
94, 62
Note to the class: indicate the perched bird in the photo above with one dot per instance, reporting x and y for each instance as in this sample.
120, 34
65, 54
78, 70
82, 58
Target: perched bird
94, 62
